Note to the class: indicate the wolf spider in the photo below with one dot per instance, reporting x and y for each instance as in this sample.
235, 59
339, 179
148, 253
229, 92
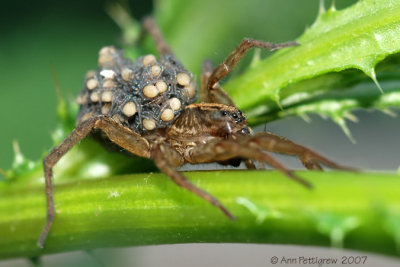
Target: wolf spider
146, 108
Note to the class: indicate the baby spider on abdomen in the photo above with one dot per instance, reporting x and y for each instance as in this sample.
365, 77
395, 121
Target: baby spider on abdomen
146, 107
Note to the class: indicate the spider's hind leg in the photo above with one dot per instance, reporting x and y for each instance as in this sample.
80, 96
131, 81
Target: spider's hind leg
150, 25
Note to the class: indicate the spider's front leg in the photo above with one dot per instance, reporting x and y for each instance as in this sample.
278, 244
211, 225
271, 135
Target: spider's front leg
222, 150
167, 159
279, 144
215, 93
80, 132
117, 133
233, 59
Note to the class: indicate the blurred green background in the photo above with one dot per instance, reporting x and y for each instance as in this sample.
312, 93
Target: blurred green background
67, 35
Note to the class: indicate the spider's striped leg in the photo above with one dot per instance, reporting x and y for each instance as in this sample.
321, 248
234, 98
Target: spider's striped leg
217, 94
150, 25
276, 143
117, 133
222, 150
167, 159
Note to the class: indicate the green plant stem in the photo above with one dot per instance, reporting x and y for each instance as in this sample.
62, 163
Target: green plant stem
345, 209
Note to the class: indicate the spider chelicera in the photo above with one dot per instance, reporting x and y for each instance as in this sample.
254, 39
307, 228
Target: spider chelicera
146, 108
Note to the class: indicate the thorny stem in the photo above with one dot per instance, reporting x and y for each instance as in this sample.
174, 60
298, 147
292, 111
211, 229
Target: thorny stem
144, 209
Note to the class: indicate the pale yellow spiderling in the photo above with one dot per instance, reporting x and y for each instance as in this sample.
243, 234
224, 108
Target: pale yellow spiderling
129, 109
150, 91
167, 115
149, 124
183, 79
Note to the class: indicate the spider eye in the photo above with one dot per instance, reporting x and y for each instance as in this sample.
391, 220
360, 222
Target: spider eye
234, 115
224, 113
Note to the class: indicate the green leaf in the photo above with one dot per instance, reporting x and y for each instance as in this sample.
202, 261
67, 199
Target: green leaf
354, 38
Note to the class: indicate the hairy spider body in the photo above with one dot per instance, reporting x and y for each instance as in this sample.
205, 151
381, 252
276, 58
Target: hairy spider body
146, 108
143, 96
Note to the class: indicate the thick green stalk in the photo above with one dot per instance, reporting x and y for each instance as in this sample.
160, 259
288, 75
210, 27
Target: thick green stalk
351, 210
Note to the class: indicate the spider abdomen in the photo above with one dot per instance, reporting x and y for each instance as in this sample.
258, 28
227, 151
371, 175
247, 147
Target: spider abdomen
143, 95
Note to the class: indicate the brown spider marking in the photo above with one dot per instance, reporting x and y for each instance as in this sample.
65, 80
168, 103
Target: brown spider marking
145, 107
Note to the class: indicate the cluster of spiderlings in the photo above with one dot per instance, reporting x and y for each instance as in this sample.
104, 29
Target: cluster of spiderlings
144, 95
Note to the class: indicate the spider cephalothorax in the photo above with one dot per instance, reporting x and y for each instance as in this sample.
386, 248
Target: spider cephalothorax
145, 107
209, 120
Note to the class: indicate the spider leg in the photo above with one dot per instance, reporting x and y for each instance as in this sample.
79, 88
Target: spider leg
116, 133
221, 150
150, 25
167, 159
308, 157
250, 164
230, 62
217, 94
